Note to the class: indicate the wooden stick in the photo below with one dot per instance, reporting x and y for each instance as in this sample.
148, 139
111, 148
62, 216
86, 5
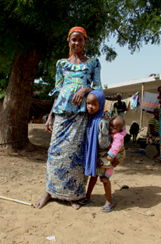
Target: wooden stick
15, 200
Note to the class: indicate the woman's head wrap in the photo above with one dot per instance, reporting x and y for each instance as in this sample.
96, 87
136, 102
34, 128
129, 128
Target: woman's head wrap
78, 29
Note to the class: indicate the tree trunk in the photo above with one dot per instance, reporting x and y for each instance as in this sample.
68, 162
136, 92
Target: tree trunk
16, 104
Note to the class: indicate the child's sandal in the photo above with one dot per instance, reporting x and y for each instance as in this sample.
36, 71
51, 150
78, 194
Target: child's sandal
107, 208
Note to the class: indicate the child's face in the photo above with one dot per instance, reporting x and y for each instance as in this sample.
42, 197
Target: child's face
115, 127
92, 104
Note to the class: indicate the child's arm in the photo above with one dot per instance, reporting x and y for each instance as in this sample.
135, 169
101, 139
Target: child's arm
114, 161
117, 143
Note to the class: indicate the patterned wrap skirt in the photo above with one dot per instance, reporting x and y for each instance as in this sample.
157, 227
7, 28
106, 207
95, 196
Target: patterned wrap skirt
65, 178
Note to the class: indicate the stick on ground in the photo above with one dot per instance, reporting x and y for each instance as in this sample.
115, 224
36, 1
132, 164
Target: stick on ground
15, 200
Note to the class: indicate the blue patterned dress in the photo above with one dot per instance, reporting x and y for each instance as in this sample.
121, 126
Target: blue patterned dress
65, 177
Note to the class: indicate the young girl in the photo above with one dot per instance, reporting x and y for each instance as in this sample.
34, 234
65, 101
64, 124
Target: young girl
100, 154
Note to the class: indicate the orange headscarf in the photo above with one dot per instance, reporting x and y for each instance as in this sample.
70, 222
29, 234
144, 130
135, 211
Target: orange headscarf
77, 29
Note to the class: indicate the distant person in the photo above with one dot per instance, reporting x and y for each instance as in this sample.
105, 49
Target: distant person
120, 107
159, 98
159, 92
153, 131
102, 155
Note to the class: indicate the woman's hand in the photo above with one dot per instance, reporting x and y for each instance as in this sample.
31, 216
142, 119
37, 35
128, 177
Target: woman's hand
49, 124
79, 95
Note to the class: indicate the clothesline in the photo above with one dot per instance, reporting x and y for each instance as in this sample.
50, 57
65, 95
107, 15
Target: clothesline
148, 103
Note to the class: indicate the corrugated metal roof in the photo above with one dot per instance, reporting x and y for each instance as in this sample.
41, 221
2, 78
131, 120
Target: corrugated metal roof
128, 88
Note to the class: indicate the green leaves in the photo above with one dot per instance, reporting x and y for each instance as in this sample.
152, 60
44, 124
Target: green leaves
44, 24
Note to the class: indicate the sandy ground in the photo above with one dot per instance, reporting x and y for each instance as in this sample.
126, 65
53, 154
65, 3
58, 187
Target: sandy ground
136, 218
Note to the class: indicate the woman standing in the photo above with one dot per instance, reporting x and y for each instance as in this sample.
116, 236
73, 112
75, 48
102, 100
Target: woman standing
75, 77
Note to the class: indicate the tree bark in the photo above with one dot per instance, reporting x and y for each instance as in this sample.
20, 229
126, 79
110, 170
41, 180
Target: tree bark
16, 104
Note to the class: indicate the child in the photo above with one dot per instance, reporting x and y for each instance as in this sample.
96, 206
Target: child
99, 161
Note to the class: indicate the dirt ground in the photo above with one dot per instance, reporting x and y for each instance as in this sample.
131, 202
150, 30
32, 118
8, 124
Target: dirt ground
136, 218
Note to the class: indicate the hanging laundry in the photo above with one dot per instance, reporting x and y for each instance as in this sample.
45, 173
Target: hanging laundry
150, 101
135, 100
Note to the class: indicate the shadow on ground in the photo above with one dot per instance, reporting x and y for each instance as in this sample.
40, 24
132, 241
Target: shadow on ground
142, 197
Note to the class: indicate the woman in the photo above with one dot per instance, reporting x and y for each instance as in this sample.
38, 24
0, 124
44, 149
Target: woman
75, 77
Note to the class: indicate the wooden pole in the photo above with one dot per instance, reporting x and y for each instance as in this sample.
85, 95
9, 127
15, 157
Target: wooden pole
15, 200
141, 111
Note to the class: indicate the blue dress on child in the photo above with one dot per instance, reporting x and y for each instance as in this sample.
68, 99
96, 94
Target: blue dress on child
65, 176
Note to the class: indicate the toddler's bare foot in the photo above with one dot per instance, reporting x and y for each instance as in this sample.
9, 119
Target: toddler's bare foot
42, 202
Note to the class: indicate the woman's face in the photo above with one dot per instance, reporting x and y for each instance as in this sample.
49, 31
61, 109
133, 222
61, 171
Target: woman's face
77, 42
92, 104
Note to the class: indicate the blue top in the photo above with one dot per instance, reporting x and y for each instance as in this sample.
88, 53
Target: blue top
70, 78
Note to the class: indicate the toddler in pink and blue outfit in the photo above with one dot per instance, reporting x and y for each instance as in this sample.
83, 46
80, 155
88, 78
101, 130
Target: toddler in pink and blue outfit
116, 151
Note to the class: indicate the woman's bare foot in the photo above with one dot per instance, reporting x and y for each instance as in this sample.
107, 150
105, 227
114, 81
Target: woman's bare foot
75, 205
42, 202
